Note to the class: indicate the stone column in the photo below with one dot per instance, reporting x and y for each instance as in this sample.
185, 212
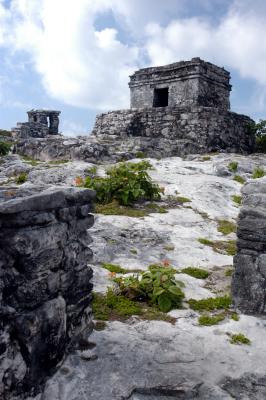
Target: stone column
249, 278
45, 288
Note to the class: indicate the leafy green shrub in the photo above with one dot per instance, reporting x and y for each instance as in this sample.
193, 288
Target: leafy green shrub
259, 130
126, 183
4, 148
157, 286
196, 272
232, 166
208, 320
239, 179
21, 178
226, 227
258, 173
210, 304
4, 132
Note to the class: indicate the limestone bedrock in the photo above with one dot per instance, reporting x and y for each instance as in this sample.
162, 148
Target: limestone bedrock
155, 360
45, 283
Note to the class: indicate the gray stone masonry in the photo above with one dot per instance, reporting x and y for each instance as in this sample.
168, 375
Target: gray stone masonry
185, 83
41, 123
249, 278
45, 288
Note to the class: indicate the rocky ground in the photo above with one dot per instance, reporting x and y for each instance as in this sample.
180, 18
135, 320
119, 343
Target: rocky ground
157, 360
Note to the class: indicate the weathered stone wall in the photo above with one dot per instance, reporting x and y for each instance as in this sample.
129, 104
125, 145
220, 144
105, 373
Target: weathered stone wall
194, 82
45, 288
209, 128
249, 278
41, 123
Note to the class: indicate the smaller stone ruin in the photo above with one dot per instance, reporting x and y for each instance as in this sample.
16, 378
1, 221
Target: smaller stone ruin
41, 123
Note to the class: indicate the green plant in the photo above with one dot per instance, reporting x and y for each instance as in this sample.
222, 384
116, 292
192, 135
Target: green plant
196, 272
169, 247
239, 179
114, 268
235, 316
111, 305
237, 199
205, 158
182, 200
232, 166
226, 227
208, 320
258, 173
210, 304
4, 132
92, 170
220, 246
114, 208
259, 129
21, 178
229, 272
140, 154
4, 148
57, 162
125, 183
133, 251
157, 286
100, 325
239, 338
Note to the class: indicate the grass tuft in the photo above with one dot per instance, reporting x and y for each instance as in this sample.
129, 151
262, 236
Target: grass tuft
239, 179
219, 246
258, 173
210, 304
196, 272
239, 338
208, 320
114, 268
232, 166
237, 199
226, 227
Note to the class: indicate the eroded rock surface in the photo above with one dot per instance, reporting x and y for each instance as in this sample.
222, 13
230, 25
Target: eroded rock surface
249, 279
45, 283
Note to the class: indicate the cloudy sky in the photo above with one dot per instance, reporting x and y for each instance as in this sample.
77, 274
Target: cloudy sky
76, 55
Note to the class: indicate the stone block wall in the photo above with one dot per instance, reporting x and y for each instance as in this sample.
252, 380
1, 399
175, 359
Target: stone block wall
193, 82
249, 278
45, 288
210, 129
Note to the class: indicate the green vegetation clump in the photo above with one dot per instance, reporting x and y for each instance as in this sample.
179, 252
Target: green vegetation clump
157, 287
239, 338
140, 154
112, 306
237, 199
196, 272
57, 162
210, 304
239, 179
208, 320
259, 130
205, 158
232, 166
226, 227
182, 200
126, 183
91, 170
114, 268
229, 272
258, 173
114, 208
235, 316
133, 251
100, 325
21, 178
169, 247
219, 246
4, 148
4, 132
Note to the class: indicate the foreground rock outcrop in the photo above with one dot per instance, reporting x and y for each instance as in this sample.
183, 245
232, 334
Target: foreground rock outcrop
45, 288
249, 279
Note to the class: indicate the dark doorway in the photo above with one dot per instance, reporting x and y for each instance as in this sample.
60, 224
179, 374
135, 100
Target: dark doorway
160, 97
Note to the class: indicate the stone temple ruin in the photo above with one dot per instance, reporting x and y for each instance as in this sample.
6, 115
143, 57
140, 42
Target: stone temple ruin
41, 123
177, 109
183, 106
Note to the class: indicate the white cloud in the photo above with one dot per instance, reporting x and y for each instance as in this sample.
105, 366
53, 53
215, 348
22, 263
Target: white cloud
84, 67
237, 41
